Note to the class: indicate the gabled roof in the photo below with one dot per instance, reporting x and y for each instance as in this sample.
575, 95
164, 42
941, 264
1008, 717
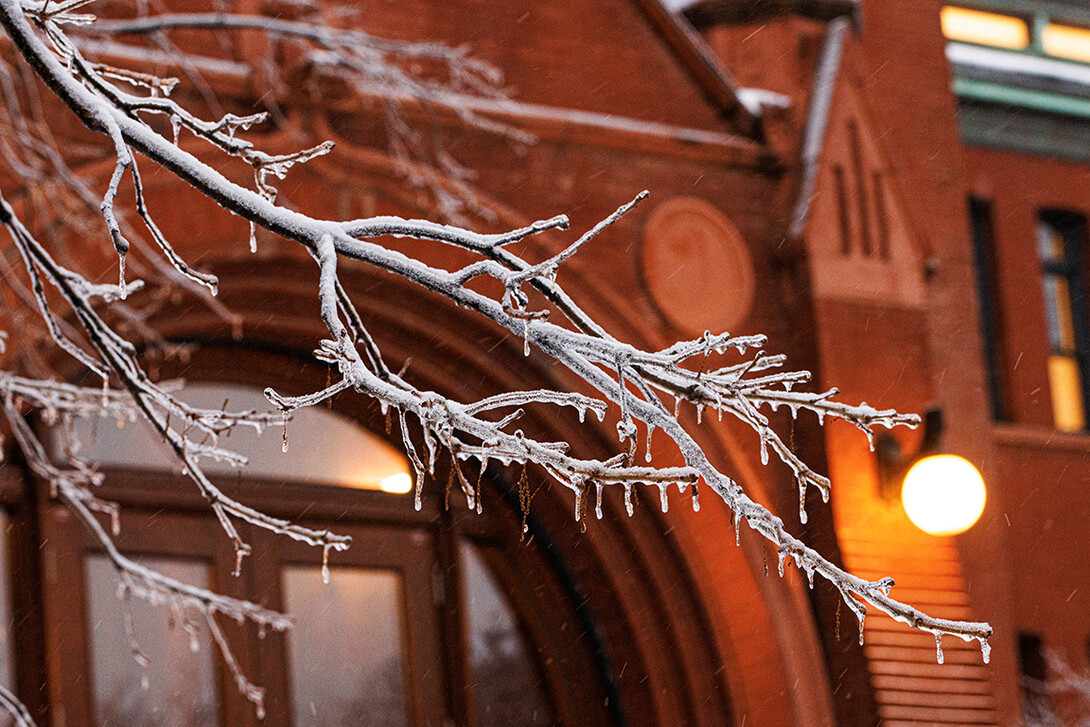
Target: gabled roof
702, 65
706, 13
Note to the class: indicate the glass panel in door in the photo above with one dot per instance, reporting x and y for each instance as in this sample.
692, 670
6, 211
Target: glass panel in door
177, 688
506, 681
7, 672
346, 649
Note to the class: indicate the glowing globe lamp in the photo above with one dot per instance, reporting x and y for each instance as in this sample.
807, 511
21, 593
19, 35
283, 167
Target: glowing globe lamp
943, 494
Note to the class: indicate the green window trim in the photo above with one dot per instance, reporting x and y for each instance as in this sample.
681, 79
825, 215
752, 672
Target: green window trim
1023, 97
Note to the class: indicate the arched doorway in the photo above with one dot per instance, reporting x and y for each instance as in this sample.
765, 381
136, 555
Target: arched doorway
620, 599
434, 616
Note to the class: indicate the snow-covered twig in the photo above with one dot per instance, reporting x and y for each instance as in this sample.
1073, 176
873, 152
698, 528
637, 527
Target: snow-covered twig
11, 704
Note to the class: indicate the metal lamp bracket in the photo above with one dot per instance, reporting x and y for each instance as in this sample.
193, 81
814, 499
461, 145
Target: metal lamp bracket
893, 464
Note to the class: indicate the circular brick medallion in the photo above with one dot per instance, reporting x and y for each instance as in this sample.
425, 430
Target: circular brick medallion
696, 266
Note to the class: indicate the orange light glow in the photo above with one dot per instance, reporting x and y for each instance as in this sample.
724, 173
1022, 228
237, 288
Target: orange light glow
943, 494
975, 26
397, 484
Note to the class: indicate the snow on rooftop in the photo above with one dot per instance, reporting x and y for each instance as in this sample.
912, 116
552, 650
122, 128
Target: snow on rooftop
678, 5
757, 100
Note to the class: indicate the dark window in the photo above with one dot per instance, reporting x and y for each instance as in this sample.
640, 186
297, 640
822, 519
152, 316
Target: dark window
980, 223
881, 215
861, 187
507, 683
1036, 705
1060, 237
843, 215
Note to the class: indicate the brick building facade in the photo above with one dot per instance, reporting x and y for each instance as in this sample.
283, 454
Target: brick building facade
809, 180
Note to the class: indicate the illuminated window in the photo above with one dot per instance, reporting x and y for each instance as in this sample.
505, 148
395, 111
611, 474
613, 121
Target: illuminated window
975, 26
315, 435
1066, 41
1059, 237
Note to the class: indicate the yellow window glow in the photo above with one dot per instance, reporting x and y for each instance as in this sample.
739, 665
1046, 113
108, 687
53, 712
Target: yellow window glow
975, 26
1066, 41
1066, 387
943, 494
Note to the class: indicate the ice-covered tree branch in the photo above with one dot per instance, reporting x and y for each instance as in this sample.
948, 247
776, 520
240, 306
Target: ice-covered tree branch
11, 704
373, 68
647, 388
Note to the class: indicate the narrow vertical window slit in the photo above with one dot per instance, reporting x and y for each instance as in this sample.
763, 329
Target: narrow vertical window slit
842, 210
881, 215
861, 188
987, 280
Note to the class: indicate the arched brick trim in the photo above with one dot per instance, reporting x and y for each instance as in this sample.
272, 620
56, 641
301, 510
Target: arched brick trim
637, 587
673, 599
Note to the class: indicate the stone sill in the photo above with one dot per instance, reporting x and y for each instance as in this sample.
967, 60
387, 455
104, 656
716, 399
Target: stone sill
1039, 437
